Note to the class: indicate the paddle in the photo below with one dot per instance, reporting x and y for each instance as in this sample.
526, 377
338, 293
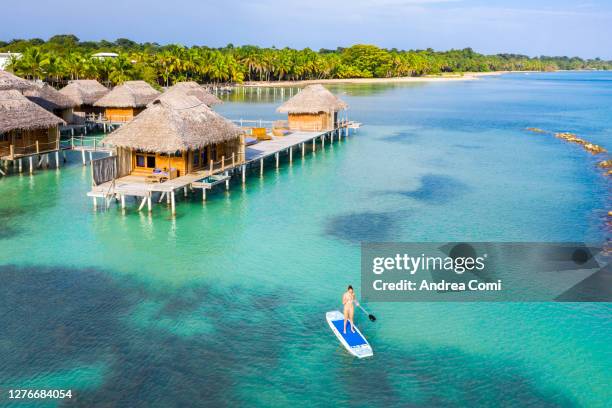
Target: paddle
370, 316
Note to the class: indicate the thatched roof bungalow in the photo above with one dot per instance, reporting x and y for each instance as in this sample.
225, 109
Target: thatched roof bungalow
9, 81
178, 132
25, 127
193, 89
314, 108
127, 100
85, 92
52, 100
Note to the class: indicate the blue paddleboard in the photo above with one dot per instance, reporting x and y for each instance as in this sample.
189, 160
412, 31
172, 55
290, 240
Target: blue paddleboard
355, 343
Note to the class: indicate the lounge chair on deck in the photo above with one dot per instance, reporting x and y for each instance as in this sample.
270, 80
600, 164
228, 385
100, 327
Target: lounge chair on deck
159, 176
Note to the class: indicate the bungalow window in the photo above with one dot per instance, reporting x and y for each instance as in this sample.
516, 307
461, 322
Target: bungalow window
4, 137
145, 160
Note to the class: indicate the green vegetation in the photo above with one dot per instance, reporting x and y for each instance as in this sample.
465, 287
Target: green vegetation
65, 57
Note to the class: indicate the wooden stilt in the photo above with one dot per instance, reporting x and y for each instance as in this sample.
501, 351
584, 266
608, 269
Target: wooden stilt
90, 156
95, 203
303, 148
243, 174
172, 203
31, 164
57, 160
203, 194
123, 201
149, 206
161, 197
276, 157
261, 166
291, 154
185, 191
20, 166
83, 156
142, 203
314, 144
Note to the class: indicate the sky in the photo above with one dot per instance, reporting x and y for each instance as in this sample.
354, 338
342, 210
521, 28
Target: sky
536, 27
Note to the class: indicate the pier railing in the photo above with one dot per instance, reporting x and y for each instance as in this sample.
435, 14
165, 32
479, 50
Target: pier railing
284, 124
89, 142
13, 151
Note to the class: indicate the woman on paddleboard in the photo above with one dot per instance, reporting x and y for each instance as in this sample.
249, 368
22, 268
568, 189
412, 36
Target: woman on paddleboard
349, 309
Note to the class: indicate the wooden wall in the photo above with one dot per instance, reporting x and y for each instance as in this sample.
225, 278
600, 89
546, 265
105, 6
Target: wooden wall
24, 141
120, 114
311, 122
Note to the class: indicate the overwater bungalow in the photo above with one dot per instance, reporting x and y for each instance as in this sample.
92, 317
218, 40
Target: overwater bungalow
26, 129
175, 136
52, 100
193, 89
314, 108
85, 92
9, 81
127, 100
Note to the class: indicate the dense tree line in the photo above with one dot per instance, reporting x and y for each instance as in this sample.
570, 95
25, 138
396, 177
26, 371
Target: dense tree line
65, 57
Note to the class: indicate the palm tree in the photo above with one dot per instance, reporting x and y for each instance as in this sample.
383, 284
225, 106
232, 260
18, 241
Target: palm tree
121, 69
31, 63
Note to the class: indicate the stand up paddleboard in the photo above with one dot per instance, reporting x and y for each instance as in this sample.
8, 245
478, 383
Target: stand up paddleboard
355, 343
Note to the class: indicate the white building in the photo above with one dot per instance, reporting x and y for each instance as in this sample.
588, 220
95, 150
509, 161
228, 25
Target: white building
5, 58
104, 55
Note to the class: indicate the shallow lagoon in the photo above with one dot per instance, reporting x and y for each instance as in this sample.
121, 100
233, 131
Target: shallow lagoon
225, 303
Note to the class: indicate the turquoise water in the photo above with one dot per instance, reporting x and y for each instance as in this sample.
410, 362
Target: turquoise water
224, 304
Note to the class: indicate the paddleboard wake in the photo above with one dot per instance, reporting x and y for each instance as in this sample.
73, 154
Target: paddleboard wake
354, 343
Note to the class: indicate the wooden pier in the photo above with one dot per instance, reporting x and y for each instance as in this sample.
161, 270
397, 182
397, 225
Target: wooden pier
220, 173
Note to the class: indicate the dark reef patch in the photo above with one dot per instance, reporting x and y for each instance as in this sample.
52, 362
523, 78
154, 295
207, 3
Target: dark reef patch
7, 217
444, 377
467, 147
54, 319
401, 137
436, 189
364, 226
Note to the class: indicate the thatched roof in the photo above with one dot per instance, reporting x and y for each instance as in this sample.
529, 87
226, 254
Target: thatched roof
84, 91
48, 97
130, 94
179, 122
10, 81
17, 112
193, 89
313, 99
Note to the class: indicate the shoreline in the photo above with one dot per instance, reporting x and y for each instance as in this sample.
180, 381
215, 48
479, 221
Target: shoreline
467, 76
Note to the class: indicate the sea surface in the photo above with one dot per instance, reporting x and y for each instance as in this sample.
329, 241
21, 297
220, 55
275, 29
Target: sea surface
225, 303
